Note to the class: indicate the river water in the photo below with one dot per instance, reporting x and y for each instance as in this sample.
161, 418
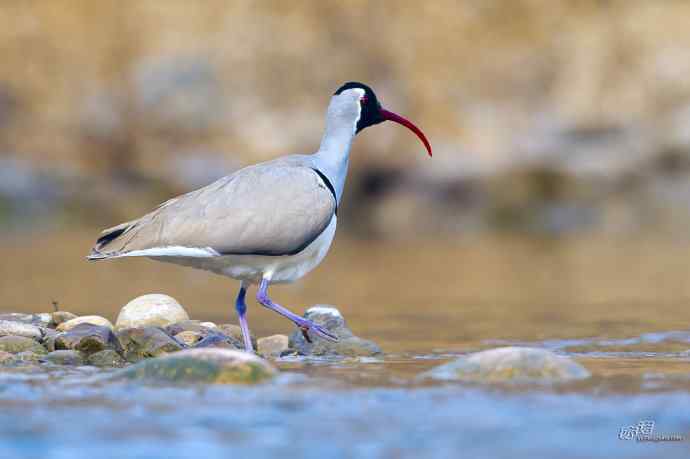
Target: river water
620, 307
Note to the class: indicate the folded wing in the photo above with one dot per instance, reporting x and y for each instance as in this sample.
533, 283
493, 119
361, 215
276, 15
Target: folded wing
266, 209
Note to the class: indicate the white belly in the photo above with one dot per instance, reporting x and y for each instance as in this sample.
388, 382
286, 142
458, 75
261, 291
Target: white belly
252, 268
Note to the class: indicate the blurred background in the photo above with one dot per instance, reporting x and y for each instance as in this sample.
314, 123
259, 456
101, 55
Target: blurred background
561, 129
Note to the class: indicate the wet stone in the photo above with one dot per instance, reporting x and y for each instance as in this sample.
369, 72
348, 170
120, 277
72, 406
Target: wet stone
27, 330
273, 346
87, 338
187, 325
5, 358
153, 310
106, 358
93, 320
234, 331
17, 344
142, 343
40, 320
59, 317
212, 366
48, 340
220, 341
188, 337
65, 357
331, 319
510, 364
27, 357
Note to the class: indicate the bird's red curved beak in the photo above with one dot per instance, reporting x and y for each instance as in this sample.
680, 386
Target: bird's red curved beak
390, 116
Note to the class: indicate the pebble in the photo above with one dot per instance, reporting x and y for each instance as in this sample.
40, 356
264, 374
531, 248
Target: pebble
234, 331
59, 317
41, 319
93, 320
141, 343
153, 310
87, 338
17, 344
27, 330
510, 364
190, 338
272, 346
208, 365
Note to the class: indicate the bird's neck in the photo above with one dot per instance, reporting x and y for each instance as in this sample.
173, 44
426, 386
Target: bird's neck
334, 153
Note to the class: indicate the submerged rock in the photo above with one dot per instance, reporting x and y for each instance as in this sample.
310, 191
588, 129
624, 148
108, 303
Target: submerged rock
332, 320
510, 364
17, 344
87, 338
106, 358
27, 330
213, 366
93, 320
153, 310
141, 343
65, 357
273, 346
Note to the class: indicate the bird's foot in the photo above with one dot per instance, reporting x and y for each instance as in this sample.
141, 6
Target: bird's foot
307, 325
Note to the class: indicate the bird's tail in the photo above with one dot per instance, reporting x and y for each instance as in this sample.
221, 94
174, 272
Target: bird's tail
106, 245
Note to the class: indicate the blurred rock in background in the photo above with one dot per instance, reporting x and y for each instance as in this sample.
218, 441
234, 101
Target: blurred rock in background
549, 117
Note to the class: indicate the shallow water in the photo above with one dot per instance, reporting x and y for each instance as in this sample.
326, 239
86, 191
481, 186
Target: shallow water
618, 307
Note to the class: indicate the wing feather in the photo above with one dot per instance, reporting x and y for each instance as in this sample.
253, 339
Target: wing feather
267, 209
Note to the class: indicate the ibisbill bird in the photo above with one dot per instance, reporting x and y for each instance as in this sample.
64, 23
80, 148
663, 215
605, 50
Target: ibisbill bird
264, 224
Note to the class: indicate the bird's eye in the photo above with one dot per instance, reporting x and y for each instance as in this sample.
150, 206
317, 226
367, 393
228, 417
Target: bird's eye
364, 100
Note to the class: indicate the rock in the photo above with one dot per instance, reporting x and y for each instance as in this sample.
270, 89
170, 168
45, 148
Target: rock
65, 357
220, 340
5, 357
93, 320
273, 346
40, 320
141, 343
27, 330
332, 320
208, 325
213, 366
187, 325
48, 340
510, 364
188, 337
17, 344
87, 338
154, 310
27, 357
106, 358
59, 317
234, 331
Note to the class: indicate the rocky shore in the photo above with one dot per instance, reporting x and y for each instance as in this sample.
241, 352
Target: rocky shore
154, 339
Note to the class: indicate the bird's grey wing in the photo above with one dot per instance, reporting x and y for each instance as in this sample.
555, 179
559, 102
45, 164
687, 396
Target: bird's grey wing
267, 209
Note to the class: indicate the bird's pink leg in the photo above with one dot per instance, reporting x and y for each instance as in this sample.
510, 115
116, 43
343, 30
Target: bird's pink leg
304, 324
241, 307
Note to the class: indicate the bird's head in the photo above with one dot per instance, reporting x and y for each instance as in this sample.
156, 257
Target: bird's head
371, 112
